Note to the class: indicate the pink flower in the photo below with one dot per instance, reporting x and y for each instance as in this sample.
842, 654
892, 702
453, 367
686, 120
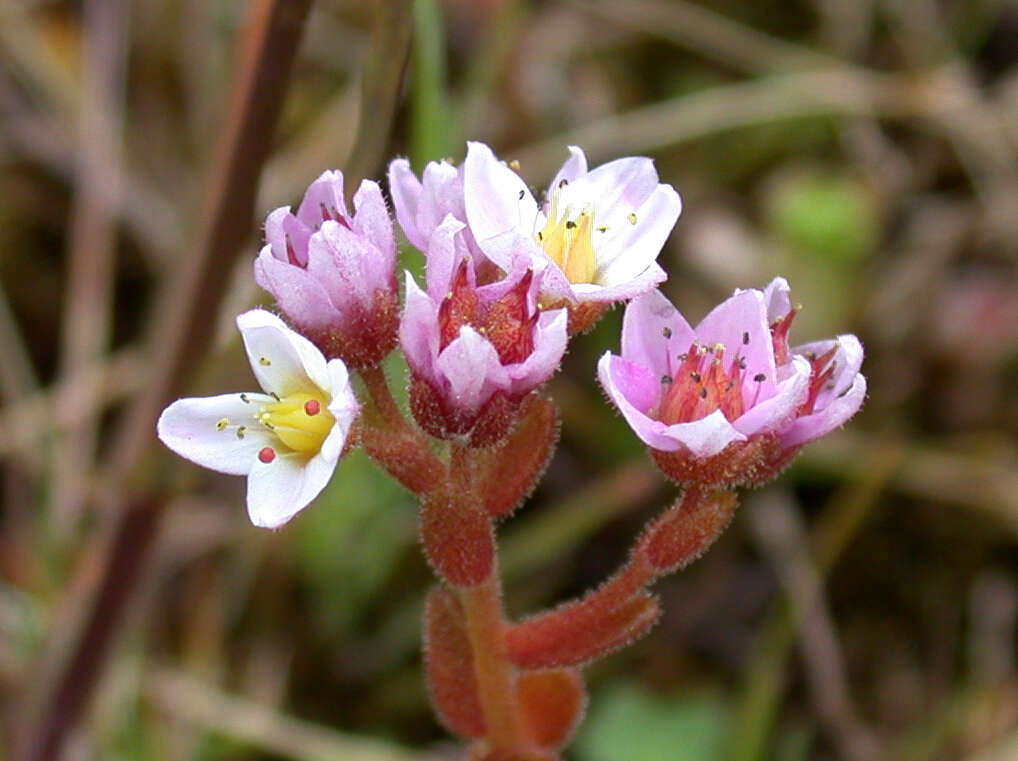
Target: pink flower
729, 401
287, 440
475, 349
332, 273
598, 233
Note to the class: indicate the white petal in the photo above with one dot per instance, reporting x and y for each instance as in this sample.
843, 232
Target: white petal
574, 167
188, 427
631, 248
278, 490
283, 361
497, 199
344, 409
707, 436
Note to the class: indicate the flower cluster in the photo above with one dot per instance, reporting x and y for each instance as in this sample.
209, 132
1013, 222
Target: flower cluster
508, 279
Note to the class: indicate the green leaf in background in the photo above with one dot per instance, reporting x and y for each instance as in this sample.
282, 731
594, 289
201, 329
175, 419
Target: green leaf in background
829, 216
350, 540
629, 723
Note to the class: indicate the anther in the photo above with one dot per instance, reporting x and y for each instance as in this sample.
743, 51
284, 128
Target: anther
540, 235
312, 407
602, 229
696, 376
745, 338
632, 217
703, 392
563, 182
666, 379
570, 224
522, 193
222, 423
243, 398
515, 166
264, 361
759, 377
241, 430
267, 454
666, 332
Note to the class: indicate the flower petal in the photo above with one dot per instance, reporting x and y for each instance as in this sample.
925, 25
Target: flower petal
740, 324
418, 330
778, 299
836, 413
372, 221
473, 370
297, 291
497, 199
189, 427
278, 490
283, 361
630, 248
574, 167
323, 196
406, 191
614, 189
608, 294
777, 411
654, 333
550, 338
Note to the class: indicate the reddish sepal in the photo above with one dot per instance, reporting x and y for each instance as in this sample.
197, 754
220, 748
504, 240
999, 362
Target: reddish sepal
551, 704
450, 668
458, 538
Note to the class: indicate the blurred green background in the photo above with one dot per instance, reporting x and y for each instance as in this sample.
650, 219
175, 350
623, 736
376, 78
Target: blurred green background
864, 606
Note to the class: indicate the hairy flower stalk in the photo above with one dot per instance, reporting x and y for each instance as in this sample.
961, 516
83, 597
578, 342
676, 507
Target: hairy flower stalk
507, 280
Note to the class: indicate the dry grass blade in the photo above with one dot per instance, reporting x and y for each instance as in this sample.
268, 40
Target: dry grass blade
74, 661
185, 698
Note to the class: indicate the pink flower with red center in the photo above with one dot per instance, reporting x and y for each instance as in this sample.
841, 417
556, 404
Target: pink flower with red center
334, 273
475, 348
728, 400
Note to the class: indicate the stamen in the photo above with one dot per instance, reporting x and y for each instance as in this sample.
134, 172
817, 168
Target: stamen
759, 377
312, 407
222, 423
243, 398
570, 224
632, 217
745, 338
522, 193
267, 455
515, 166
264, 361
563, 182
666, 332
241, 430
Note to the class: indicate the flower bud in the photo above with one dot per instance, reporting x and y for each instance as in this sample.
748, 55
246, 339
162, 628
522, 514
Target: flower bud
333, 273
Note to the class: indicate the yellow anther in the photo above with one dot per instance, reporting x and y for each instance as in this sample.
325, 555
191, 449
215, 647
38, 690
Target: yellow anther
632, 217
222, 423
264, 361
567, 243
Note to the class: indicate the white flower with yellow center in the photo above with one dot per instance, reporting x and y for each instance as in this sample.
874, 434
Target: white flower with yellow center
597, 233
286, 440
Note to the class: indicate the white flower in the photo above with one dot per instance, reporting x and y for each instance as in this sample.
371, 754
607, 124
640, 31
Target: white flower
287, 440
598, 231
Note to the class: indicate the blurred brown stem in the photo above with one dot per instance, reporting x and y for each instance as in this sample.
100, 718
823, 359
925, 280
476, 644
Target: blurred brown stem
182, 333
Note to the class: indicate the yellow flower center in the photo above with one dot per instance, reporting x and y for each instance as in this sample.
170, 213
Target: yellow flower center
567, 243
301, 421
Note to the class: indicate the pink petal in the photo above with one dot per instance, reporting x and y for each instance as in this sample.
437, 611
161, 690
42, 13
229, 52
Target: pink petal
372, 221
835, 414
777, 411
418, 331
615, 188
705, 437
740, 324
550, 338
298, 292
327, 192
654, 333
472, 369
406, 193
777, 297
